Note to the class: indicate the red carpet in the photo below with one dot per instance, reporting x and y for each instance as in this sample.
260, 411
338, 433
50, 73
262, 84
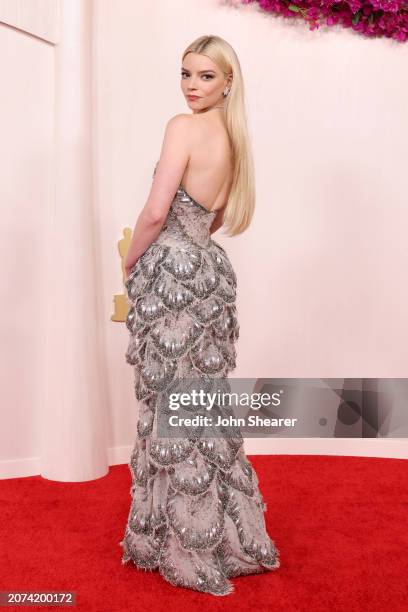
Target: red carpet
340, 524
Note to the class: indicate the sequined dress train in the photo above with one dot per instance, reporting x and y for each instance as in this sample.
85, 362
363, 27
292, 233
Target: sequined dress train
196, 513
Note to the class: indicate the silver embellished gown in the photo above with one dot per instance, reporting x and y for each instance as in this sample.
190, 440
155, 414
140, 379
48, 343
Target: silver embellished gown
196, 513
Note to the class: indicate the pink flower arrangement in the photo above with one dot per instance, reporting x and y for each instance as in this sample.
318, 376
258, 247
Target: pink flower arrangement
375, 18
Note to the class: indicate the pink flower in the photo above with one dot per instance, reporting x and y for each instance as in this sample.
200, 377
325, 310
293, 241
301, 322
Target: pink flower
387, 18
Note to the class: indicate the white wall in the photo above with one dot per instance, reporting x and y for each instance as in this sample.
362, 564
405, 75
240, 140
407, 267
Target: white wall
26, 196
321, 287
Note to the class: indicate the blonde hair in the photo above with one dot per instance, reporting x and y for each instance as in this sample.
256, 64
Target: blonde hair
240, 207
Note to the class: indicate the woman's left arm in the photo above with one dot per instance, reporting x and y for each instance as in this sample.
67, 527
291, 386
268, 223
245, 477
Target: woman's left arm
146, 230
174, 157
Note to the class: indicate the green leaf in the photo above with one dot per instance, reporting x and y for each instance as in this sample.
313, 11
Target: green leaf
356, 17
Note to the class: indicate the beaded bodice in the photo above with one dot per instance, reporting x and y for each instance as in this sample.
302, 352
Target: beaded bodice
187, 221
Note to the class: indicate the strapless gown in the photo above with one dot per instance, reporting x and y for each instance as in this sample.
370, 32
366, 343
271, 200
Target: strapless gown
196, 513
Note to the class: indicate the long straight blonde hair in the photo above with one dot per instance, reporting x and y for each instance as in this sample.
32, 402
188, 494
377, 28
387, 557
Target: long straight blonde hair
240, 207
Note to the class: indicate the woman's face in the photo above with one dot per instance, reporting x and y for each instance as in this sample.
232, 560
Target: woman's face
202, 78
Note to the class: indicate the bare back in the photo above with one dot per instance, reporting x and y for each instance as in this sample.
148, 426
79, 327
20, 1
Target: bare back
208, 175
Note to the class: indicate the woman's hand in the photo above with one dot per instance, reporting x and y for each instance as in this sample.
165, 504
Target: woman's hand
128, 269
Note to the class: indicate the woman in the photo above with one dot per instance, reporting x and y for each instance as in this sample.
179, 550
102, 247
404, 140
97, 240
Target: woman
197, 514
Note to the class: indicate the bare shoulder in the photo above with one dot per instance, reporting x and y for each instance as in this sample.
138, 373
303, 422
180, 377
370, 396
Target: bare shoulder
189, 123
178, 129
179, 122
